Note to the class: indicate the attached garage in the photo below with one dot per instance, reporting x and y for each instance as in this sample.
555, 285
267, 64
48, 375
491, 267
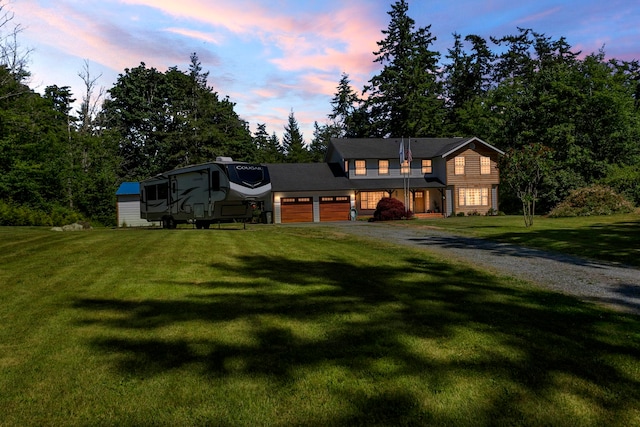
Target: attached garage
296, 209
335, 208
310, 192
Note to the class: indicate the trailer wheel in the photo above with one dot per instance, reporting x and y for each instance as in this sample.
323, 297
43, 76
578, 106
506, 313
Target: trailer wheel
202, 224
168, 222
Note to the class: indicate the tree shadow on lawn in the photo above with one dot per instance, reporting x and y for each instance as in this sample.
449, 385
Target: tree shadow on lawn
617, 243
499, 249
444, 327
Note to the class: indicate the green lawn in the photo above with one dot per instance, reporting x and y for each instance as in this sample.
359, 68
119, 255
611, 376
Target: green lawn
293, 326
613, 238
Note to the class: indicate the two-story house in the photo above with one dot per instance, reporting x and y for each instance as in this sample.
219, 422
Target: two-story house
434, 175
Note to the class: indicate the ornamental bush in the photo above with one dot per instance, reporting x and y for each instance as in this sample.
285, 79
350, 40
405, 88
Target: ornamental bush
389, 209
594, 200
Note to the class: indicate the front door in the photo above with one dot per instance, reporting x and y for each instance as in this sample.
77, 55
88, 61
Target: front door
418, 202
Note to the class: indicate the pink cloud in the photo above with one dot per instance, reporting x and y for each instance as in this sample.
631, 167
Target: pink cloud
198, 35
300, 39
539, 16
78, 34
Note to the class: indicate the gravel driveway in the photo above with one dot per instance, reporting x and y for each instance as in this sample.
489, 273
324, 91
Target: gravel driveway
613, 286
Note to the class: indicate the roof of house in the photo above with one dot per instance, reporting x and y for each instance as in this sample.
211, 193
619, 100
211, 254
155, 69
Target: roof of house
307, 177
330, 177
389, 183
127, 188
388, 148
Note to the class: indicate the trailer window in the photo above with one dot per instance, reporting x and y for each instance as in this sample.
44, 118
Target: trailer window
215, 181
156, 192
151, 192
163, 191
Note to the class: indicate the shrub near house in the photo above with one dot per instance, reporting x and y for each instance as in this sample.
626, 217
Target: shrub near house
389, 209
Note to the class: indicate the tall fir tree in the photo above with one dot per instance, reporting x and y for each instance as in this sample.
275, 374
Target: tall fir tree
347, 111
268, 148
322, 135
405, 97
293, 142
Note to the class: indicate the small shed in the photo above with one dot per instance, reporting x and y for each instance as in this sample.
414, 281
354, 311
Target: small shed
128, 206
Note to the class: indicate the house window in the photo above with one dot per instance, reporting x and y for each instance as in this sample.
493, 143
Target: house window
404, 169
426, 166
383, 167
346, 167
370, 199
485, 165
361, 167
459, 165
473, 197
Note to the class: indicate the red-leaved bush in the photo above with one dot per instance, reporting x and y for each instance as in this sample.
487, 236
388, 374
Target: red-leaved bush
389, 209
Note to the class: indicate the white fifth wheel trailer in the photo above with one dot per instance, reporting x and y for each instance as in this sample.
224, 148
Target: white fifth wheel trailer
204, 194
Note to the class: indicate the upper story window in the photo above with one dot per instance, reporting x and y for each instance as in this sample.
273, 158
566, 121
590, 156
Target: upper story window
459, 165
383, 167
485, 165
426, 166
346, 167
361, 167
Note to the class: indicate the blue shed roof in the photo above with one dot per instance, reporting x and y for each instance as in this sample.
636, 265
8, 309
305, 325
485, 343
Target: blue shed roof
128, 188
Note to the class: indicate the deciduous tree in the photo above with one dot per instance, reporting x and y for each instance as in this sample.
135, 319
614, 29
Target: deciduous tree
523, 170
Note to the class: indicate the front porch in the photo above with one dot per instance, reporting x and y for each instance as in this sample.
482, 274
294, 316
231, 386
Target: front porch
428, 215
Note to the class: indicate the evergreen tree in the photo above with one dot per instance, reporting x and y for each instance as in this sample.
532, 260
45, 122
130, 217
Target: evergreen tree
466, 82
275, 151
268, 148
405, 97
293, 142
322, 135
261, 142
346, 114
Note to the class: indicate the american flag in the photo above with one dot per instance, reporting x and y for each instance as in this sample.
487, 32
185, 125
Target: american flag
409, 155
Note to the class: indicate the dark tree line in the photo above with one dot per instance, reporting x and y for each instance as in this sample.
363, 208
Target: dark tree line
511, 91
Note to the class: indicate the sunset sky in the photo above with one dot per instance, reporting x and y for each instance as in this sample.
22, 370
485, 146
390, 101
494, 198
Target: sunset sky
274, 56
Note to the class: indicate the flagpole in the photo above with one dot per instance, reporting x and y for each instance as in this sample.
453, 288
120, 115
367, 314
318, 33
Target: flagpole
409, 159
402, 158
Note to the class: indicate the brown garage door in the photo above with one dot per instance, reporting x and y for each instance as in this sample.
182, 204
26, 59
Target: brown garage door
296, 209
334, 208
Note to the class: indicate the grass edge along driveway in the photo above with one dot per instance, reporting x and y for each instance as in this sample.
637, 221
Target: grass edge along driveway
293, 326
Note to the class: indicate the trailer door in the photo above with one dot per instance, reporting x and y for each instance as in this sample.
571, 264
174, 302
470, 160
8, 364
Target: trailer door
174, 194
